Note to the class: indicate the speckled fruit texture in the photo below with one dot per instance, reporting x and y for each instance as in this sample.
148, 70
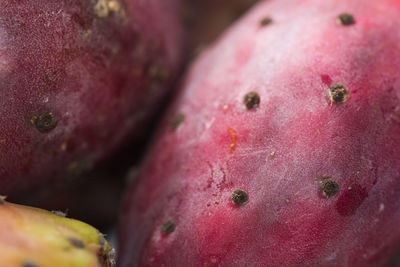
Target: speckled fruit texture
298, 107
76, 78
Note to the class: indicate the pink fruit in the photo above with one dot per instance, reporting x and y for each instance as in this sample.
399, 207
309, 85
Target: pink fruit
282, 148
76, 79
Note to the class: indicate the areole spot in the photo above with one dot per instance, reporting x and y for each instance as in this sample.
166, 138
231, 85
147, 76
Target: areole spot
345, 19
29, 264
329, 187
76, 242
158, 73
265, 21
110, 259
239, 197
80, 166
177, 120
44, 122
338, 93
251, 100
102, 242
2, 199
168, 227
108, 256
59, 213
103, 8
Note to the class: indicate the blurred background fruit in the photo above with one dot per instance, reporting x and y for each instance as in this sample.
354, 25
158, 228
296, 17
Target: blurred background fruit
78, 80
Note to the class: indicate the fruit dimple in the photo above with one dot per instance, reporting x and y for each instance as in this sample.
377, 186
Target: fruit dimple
329, 187
239, 197
29, 264
44, 122
251, 100
351, 200
345, 19
168, 227
158, 73
265, 21
103, 8
76, 242
177, 120
338, 93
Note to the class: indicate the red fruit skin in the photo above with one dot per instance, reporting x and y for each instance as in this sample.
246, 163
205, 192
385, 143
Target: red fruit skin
280, 151
99, 67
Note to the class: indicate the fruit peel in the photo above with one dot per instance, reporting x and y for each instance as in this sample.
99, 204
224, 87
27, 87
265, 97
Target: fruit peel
79, 79
36, 237
317, 156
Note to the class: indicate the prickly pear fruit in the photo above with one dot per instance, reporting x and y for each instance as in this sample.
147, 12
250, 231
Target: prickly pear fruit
77, 78
282, 148
35, 237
